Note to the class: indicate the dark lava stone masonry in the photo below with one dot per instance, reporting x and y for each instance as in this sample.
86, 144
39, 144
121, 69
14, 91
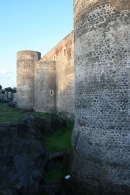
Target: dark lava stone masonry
101, 137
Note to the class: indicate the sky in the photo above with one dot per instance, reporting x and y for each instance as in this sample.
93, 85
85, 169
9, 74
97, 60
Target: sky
30, 25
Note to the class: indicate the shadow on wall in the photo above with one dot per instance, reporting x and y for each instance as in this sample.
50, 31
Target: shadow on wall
65, 99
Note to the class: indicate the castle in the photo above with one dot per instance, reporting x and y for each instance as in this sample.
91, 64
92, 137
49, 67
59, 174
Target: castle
101, 80
47, 84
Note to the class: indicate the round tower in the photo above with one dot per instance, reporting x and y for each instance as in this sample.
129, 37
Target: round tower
25, 78
45, 86
101, 136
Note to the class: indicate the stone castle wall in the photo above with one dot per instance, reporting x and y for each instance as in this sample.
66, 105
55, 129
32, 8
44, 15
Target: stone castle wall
63, 55
99, 48
101, 137
47, 84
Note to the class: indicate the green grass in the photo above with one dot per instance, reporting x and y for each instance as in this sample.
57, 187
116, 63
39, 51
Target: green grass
57, 141
55, 175
60, 139
10, 115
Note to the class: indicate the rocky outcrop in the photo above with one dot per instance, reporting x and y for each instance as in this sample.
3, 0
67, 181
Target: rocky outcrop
22, 155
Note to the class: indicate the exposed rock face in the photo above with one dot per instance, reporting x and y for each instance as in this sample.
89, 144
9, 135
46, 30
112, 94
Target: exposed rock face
22, 155
101, 137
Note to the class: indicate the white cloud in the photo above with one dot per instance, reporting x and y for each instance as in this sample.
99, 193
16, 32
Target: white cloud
5, 74
3, 71
7, 78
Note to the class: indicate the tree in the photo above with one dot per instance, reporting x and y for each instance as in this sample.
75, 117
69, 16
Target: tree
15, 89
3, 92
9, 89
0, 87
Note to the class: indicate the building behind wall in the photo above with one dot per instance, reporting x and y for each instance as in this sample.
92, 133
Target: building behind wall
47, 84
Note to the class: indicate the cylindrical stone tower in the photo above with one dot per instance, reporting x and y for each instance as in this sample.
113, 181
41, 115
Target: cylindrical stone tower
25, 78
101, 136
45, 86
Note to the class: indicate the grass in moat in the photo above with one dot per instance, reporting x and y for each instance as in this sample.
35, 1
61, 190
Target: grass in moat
11, 115
60, 139
57, 141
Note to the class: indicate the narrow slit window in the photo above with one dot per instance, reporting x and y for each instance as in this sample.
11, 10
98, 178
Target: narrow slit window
64, 52
51, 92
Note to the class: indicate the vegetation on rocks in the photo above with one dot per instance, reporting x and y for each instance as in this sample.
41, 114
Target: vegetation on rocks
56, 141
60, 139
12, 115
